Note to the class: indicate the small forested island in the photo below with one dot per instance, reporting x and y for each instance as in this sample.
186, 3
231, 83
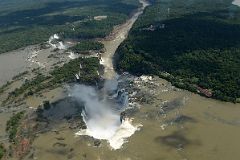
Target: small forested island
85, 46
117, 79
193, 44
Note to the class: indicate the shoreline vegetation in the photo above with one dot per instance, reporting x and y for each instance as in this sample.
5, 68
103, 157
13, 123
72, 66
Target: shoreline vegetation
88, 74
193, 45
12, 126
2, 151
72, 20
81, 25
132, 60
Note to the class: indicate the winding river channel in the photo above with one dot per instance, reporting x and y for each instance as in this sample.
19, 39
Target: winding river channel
176, 124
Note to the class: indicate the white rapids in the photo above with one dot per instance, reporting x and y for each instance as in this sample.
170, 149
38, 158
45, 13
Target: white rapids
72, 55
101, 116
116, 136
58, 45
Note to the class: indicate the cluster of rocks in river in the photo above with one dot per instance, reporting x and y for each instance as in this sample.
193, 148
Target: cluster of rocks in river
141, 91
147, 91
135, 88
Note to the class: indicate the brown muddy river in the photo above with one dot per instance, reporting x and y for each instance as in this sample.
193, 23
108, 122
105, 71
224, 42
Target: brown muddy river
177, 125
195, 128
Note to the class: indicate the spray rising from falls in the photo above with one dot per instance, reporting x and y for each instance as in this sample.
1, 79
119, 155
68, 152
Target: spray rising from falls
102, 115
55, 43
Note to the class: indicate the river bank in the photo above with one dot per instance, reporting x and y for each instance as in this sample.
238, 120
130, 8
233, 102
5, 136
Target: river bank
118, 35
20, 66
34, 60
43, 57
176, 124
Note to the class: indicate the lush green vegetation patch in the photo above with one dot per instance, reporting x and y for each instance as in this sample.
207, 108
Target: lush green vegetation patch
196, 42
88, 71
87, 45
13, 125
31, 22
2, 151
64, 74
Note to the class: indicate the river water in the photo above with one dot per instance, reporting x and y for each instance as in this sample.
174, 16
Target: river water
26, 59
191, 127
177, 124
119, 35
104, 123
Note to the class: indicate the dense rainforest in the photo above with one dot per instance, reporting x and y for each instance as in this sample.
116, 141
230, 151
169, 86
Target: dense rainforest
86, 45
27, 22
195, 44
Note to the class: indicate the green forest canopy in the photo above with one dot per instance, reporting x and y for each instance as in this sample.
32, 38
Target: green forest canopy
196, 41
26, 22
86, 45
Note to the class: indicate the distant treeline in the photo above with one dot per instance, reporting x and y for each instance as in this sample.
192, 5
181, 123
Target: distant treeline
27, 23
197, 42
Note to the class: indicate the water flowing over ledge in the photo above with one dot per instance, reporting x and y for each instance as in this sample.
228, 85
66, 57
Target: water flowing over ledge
117, 138
102, 114
102, 117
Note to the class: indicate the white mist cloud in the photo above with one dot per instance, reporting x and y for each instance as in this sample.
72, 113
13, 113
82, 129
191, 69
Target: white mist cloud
102, 118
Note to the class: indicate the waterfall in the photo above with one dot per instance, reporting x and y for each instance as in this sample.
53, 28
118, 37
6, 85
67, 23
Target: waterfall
102, 115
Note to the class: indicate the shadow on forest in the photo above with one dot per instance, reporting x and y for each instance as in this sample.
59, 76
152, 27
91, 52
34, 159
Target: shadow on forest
37, 16
33, 17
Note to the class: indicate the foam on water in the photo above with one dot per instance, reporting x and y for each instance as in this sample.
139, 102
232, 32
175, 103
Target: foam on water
53, 37
58, 45
103, 118
125, 130
72, 55
32, 57
61, 46
116, 135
